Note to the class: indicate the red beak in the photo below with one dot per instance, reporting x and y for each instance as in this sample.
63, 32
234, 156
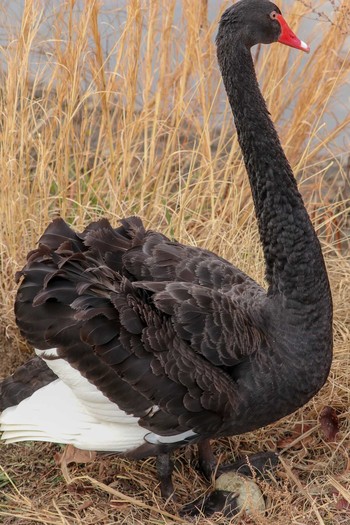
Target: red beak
288, 38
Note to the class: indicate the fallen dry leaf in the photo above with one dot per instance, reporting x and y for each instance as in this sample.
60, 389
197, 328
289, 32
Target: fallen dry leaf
329, 423
71, 454
342, 504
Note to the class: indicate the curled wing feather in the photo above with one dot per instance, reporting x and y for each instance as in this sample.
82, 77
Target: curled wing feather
149, 321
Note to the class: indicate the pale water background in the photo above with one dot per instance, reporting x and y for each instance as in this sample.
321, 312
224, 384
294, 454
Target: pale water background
113, 15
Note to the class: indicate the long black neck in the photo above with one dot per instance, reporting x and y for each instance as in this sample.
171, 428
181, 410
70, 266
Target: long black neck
294, 264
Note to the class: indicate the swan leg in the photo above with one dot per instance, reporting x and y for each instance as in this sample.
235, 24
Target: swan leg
165, 469
206, 459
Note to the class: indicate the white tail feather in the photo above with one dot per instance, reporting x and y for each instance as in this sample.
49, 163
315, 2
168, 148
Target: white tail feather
72, 410
54, 414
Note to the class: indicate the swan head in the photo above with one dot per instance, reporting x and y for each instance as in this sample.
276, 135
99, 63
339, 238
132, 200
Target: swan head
258, 22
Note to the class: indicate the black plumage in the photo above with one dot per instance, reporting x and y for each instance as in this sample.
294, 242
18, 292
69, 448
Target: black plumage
152, 322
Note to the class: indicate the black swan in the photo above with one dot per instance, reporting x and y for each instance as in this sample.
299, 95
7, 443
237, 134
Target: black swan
143, 344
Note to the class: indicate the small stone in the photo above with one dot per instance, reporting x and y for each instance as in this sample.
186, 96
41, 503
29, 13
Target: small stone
249, 497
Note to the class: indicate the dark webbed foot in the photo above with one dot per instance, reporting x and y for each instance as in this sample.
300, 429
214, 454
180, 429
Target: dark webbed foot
234, 489
255, 464
218, 501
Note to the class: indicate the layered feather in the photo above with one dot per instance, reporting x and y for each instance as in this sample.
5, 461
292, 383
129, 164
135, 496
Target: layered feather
145, 320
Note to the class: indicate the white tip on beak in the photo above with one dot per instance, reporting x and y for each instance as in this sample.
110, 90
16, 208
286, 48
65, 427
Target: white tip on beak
304, 46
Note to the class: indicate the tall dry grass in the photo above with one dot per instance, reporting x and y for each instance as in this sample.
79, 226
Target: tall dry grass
140, 125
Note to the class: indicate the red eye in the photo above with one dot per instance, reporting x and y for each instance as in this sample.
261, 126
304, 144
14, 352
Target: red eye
273, 15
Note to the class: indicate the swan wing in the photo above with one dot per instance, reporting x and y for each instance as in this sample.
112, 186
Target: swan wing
74, 305
125, 346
